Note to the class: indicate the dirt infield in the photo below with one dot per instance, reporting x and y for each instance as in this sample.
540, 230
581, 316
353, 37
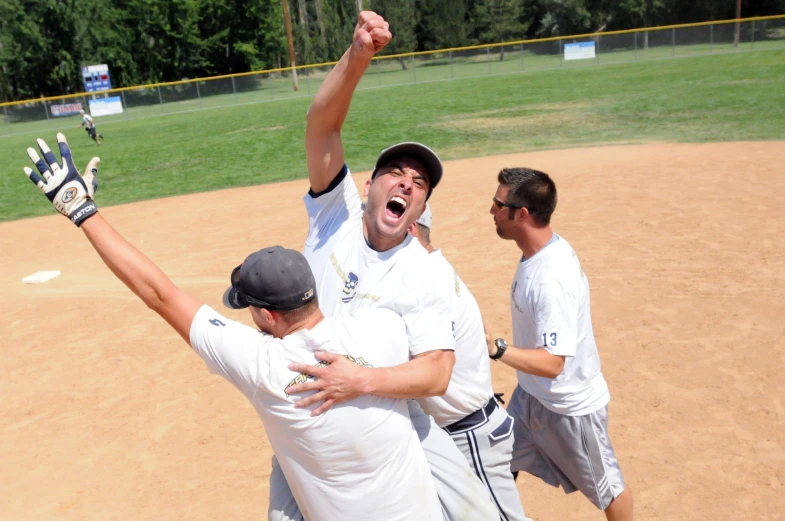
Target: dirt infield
106, 414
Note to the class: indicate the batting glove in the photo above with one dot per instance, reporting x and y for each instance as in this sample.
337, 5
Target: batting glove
69, 192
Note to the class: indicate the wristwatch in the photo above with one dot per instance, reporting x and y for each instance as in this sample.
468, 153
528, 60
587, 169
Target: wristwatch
501, 347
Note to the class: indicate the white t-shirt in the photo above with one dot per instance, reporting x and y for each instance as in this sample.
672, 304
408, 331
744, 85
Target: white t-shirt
361, 460
350, 275
470, 386
87, 121
551, 308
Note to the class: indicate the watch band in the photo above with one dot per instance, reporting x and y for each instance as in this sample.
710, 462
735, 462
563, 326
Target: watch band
501, 347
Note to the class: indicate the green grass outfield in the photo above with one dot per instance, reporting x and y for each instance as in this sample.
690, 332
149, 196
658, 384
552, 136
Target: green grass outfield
703, 98
145, 102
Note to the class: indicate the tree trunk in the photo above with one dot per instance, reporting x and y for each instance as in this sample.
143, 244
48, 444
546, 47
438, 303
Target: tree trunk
301, 13
736, 34
402, 61
320, 18
288, 23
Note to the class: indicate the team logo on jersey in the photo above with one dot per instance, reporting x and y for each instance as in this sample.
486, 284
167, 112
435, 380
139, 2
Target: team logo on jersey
350, 287
69, 195
304, 377
512, 297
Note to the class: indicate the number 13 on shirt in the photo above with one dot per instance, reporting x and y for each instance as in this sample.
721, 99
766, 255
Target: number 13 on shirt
549, 336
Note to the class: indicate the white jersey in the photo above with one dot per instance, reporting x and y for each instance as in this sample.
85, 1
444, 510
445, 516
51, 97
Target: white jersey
551, 309
350, 275
87, 121
470, 386
361, 460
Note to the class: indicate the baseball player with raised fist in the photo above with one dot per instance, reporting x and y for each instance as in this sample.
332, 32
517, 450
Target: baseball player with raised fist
374, 452
363, 257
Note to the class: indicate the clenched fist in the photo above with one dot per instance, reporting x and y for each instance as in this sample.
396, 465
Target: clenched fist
371, 34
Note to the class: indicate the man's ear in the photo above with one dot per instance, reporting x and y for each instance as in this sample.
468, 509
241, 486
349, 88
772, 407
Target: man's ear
367, 188
272, 317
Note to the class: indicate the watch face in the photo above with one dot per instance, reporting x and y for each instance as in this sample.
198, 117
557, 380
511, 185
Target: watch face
500, 342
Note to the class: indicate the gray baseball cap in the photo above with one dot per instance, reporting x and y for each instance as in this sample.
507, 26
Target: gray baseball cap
426, 218
272, 278
418, 151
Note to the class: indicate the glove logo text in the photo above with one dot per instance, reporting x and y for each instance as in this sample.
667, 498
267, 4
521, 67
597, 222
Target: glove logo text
84, 211
69, 195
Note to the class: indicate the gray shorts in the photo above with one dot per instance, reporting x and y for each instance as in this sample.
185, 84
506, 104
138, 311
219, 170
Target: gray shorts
573, 452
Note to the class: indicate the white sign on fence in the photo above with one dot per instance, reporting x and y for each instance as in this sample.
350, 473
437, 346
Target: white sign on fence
579, 51
106, 106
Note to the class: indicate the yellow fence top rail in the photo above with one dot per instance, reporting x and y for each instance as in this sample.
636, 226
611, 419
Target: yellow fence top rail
393, 56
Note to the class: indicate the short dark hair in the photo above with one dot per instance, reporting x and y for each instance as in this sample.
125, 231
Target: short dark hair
298, 314
531, 189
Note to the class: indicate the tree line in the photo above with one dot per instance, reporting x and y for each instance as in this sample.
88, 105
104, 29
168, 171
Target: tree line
44, 43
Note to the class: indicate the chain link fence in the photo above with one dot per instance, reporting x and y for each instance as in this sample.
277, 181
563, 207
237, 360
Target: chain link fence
156, 100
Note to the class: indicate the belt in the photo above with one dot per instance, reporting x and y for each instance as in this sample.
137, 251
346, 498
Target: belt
474, 420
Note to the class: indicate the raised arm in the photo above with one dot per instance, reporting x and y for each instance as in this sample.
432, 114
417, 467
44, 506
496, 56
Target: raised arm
142, 276
72, 196
323, 147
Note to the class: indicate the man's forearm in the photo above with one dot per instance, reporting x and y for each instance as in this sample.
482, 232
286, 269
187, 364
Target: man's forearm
426, 375
331, 104
141, 275
538, 362
135, 270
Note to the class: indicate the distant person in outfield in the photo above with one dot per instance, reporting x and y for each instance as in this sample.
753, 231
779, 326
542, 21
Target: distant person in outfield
89, 125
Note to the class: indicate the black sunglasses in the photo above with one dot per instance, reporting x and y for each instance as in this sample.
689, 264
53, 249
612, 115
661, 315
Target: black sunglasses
248, 298
499, 205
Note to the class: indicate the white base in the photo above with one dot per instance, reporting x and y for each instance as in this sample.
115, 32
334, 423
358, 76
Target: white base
40, 276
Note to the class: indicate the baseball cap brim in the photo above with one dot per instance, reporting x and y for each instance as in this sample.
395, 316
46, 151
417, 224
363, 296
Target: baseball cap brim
426, 218
232, 299
418, 151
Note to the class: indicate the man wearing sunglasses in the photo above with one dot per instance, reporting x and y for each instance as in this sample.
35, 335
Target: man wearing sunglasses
363, 257
560, 405
363, 461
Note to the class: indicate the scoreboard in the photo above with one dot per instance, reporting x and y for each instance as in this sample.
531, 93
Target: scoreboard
96, 78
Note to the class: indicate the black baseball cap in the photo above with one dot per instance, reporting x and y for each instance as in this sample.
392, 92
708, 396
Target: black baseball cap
272, 278
418, 151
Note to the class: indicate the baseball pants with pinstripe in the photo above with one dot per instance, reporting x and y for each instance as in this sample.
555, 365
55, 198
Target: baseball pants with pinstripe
487, 443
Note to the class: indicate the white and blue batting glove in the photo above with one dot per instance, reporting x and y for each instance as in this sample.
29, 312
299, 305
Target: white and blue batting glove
69, 192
